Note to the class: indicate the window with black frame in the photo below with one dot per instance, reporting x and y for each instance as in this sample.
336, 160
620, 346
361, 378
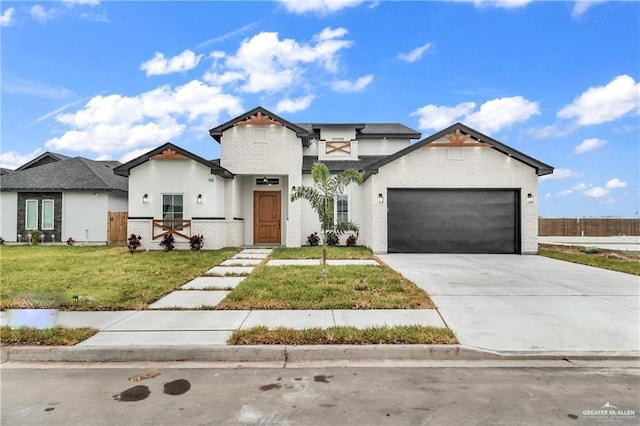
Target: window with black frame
172, 210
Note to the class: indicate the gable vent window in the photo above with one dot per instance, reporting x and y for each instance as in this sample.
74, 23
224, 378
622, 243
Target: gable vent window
267, 181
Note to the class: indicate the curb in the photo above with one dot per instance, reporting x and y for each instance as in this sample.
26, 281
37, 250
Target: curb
285, 354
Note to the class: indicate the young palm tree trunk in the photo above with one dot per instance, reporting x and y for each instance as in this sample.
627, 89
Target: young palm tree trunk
324, 258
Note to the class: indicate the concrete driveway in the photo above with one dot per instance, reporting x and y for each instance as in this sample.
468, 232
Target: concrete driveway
528, 303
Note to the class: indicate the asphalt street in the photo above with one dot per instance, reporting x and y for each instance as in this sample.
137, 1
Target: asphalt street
438, 393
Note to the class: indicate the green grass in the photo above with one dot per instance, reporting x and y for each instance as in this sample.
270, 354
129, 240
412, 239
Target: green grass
315, 252
55, 336
107, 278
620, 265
347, 287
411, 335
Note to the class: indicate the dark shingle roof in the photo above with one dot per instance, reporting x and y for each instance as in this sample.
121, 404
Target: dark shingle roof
124, 169
42, 159
76, 173
367, 130
541, 168
337, 166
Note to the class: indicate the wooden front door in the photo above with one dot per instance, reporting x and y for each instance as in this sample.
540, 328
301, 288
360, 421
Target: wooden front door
266, 217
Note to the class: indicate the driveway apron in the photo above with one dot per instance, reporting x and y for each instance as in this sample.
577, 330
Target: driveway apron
528, 303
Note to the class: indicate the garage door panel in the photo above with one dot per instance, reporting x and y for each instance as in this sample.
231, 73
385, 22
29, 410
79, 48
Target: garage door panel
452, 221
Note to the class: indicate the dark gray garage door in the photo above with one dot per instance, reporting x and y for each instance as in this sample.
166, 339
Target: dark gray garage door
453, 221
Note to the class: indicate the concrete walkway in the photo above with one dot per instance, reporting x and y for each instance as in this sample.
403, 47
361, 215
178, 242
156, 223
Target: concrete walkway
171, 321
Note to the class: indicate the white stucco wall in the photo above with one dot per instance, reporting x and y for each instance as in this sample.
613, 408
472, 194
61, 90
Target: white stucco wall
381, 146
84, 216
311, 223
186, 177
269, 150
473, 167
117, 202
9, 215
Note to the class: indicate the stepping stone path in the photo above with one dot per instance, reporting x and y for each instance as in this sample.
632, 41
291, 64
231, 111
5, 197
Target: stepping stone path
212, 288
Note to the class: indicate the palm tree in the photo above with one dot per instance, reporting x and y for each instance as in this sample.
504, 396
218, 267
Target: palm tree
321, 196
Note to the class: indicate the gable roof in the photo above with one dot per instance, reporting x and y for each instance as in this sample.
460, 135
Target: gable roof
302, 133
169, 149
337, 166
42, 159
366, 130
541, 168
78, 173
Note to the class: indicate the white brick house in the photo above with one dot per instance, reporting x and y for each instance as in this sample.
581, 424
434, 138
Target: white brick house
455, 191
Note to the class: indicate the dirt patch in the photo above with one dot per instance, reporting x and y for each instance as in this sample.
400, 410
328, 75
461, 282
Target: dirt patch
608, 254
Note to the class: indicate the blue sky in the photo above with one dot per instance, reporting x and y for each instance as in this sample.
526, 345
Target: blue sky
559, 81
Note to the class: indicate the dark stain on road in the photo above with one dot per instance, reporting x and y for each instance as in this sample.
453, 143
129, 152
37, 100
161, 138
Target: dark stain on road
326, 405
297, 379
177, 387
49, 408
322, 378
270, 387
136, 393
572, 416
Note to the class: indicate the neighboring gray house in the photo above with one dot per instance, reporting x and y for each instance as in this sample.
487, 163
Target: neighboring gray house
457, 191
62, 197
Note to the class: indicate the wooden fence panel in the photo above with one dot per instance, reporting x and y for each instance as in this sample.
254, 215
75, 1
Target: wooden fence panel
117, 228
576, 227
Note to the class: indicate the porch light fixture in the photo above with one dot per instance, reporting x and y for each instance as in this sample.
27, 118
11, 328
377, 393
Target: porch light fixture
380, 198
293, 188
530, 198
145, 199
265, 180
199, 199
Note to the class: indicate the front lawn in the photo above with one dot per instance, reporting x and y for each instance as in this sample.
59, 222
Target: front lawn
347, 287
605, 259
399, 335
315, 252
55, 336
104, 278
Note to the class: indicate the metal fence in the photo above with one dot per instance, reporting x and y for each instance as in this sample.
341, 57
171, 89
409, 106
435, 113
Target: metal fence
571, 227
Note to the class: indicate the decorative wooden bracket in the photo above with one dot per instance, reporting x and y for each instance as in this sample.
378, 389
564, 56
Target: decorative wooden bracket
173, 226
258, 119
338, 146
458, 139
169, 154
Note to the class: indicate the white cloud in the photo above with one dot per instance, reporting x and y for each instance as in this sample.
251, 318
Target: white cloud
345, 86
115, 123
604, 103
13, 160
595, 192
559, 174
505, 4
501, 113
581, 6
6, 18
82, 2
41, 14
133, 154
438, 117
228, 35
615, 183
21, 86
159, 65
320, 7
265, 63
415, 54
565, 192
589, 145
492, 115
556, 130
294, 105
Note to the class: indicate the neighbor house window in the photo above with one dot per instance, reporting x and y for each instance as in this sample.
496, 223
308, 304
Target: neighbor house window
47, 214
172, 210
342, 209
31, 214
